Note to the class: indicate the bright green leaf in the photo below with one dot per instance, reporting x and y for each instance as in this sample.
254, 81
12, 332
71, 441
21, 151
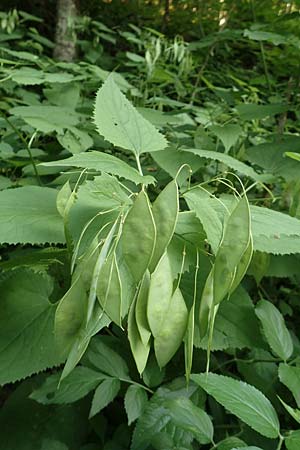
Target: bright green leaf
242, 400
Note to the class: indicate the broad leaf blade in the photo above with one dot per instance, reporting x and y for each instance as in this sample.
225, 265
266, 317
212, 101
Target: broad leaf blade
121, 124
243, 400
104, 394
29, 215
135, 402
102, 162
27, 343
189, 417
290, 377
275, 330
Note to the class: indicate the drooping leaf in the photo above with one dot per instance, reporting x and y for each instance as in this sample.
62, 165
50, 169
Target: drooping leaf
135, 402
102, 162
29, 215
121, 124
275, 330
229, 161
243, 400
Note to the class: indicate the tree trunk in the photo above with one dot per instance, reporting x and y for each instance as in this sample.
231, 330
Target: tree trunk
65, 38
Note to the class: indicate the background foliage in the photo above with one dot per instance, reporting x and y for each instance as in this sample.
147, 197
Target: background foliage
150, 227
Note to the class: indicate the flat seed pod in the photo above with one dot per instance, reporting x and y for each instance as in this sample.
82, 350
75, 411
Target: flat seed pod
242, 266
139, 350
160, 293
233, 245
206, 305
165, 212
141, 309
109, 289
167, 342
189, 343
138, 236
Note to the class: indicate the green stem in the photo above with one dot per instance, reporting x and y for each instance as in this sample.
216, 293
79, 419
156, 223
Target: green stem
26, 145
138, 163
281, 440
136, 384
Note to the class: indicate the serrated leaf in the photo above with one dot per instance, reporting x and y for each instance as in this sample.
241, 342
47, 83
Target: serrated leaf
152, 421
47, 118
27, 343
275, 330
102, 162
135, 401
29, 215
290, 377
77, 385
186, 415
104, 394
121, 124
242, 400
229, 161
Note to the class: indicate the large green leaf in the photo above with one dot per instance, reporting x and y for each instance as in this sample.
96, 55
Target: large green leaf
121, 124
27, 343
104, 394
243, 400
29, 215
47, 118
272, 231
102, 162
135, 402
228, 160
77, 385
275, 330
